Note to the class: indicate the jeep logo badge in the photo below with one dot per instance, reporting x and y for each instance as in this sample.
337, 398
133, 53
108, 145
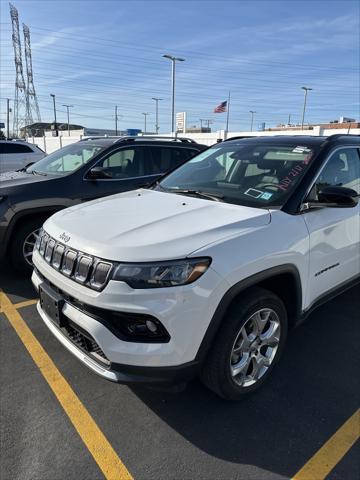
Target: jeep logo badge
64, 237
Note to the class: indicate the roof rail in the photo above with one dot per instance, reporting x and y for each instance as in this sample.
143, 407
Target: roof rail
334, 136
131, 138
155, 137
99, 137
240, 137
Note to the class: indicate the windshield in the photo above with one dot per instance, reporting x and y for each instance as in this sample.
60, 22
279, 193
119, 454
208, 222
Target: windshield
65, 160
243, 174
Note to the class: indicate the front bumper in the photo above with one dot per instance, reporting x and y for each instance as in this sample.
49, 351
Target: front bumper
125, 374
185, 312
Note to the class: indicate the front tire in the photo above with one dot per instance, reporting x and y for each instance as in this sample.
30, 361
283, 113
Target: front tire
249, 342
22, 244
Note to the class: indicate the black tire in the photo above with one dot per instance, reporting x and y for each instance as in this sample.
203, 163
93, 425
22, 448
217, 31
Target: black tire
17, 242
216, 372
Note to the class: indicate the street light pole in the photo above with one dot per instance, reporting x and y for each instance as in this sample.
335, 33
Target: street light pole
56, 127
173, 62
116, 121
306, 90
8, 110
252, 119
156, 113
68, 116
145, 115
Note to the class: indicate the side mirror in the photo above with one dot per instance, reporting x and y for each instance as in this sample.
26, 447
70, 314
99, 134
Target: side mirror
97, 173
340, 197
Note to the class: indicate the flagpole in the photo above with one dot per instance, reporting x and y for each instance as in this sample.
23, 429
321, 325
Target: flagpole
227, 118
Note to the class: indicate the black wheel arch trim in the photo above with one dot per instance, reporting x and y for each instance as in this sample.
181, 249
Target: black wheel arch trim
241, 286
25, 213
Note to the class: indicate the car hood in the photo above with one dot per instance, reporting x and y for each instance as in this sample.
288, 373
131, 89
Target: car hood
14, 179
147, 225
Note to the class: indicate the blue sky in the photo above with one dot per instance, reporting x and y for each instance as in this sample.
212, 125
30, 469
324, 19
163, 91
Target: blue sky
98, 54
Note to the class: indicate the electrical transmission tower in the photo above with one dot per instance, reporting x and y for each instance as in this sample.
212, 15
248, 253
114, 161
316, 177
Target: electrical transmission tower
21, 100
33, 112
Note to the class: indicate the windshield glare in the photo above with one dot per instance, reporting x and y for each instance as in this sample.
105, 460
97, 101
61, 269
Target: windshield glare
252, 175
66, 160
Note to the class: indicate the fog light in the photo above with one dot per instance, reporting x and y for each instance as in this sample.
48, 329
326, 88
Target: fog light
151, 326
137, 328
141, 328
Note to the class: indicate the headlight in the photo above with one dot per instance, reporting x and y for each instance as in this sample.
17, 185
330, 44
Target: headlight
161, 274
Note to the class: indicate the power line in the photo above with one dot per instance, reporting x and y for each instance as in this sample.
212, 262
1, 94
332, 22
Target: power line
207, 55
240, 88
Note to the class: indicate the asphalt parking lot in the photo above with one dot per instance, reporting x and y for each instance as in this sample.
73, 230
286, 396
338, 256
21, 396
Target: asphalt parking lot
59, 420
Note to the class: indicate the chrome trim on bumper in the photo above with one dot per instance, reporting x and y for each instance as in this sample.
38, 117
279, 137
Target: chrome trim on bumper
89, 362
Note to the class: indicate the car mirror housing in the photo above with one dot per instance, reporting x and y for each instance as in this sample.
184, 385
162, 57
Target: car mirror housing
334, 196
98, 173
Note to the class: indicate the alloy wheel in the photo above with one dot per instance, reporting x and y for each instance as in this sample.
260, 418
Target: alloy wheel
255, 347
28, 246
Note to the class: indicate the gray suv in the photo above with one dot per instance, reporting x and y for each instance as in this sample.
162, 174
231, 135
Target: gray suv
16, 154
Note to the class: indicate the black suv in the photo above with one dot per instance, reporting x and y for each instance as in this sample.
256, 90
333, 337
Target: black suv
85, 170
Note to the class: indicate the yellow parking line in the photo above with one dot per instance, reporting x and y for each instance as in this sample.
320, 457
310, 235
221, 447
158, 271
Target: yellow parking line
99, 447
26, 303
330, 454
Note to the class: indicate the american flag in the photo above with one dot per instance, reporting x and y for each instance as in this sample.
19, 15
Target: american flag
221, 108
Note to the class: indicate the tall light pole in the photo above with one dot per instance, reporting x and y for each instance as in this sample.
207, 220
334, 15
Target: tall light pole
252, 119
68, 116
116, 120
173, 62
306, 90
56, 127
156, 113
8, 110
145, 115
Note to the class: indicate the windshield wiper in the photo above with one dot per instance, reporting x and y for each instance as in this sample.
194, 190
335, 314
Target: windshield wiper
198, 193
34, 172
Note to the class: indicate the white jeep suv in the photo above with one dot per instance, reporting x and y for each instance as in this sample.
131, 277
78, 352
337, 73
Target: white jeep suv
204, 273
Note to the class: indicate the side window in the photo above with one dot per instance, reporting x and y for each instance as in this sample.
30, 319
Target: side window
342, 169
166, 158
15, 148
125, 163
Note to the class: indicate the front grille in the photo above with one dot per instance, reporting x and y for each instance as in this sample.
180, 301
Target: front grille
86, 343
69, 262
49, 250
83, 268
86, 269
58, 256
